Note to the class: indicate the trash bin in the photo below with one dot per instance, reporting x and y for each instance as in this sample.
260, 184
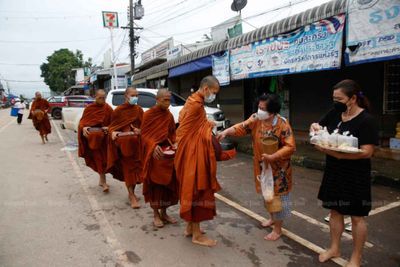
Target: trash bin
14, 112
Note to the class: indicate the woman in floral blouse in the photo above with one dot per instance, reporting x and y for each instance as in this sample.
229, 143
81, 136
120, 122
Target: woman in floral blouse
265, 123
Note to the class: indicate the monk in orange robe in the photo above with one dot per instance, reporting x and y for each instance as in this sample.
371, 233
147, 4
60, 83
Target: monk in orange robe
160, 187
195, 162
92, 136
40, 119
124, 146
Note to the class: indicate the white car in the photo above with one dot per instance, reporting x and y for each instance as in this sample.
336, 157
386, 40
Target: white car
147, 99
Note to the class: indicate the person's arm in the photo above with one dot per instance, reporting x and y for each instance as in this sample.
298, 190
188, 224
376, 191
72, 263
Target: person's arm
367, 139
366, 152
240, 129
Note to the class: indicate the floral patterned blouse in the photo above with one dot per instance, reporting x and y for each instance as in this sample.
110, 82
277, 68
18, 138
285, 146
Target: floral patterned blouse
281, 169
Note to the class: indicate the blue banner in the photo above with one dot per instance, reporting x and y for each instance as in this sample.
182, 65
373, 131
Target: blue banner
314, 47
220, 68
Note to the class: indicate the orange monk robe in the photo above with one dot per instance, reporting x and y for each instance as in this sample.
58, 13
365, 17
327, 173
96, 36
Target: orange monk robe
195, 162
94, 115
125, 168
160, 187
42, 126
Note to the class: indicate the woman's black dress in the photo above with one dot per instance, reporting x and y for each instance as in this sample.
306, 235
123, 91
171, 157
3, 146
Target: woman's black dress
346, 185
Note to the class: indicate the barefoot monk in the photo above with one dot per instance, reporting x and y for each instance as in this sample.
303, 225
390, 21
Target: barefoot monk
92, 136
160, 187
124, 147
195, 162
38, 114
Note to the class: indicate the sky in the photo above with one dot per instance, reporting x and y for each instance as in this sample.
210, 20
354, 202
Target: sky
31, 30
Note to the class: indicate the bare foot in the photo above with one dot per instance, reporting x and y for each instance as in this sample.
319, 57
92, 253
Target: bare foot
43, 142
45, 137
204, 241
189, 232
267, 223
106, 188
134, 202
350, 264
168, 219
158, 222
272, 236
328, 254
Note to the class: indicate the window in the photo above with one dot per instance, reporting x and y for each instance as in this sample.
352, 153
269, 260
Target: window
391, 97
177, 100
51, 100
118, 99
146, 100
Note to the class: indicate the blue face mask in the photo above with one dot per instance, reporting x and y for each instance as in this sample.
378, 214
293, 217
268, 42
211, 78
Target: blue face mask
133, 100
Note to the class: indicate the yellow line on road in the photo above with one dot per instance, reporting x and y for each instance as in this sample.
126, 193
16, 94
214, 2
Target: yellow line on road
340, 261
105, 226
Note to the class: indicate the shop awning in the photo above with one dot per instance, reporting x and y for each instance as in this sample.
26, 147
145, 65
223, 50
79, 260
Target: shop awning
291, 23
139, 81
326, 10
206, 51
157, 75
199, 64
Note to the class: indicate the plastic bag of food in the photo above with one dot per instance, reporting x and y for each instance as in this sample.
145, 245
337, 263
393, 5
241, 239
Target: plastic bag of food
267, 182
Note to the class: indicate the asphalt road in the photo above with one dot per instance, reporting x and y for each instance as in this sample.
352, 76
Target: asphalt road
53, 213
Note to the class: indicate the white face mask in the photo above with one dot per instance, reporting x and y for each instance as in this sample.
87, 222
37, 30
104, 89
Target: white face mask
210, 98
262, 115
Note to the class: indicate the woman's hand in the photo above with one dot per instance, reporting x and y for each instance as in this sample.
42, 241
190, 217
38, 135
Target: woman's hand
268, 158
315, 127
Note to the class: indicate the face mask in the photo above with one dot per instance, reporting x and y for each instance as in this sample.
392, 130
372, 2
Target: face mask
210, 98
133, 100
339, 106
262, 115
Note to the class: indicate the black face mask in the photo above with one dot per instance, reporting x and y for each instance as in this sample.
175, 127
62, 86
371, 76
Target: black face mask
339, 106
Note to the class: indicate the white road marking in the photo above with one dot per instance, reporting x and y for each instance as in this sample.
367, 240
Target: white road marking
5, 126
340, 261
105, 226
325, 226
379, 210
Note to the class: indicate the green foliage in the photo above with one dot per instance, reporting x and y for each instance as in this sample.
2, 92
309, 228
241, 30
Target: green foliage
57, 72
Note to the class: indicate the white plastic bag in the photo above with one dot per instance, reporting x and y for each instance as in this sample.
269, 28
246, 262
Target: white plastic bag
267, 183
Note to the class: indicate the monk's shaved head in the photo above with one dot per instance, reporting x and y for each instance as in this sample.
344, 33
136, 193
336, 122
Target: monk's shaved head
209, 81
38, 95
100, 92
163, 92
130, 90
163, 98
100, 97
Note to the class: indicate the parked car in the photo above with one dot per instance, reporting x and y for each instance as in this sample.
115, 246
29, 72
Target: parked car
147, 99
58, 102
72, 112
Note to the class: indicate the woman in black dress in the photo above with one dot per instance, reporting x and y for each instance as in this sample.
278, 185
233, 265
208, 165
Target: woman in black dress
346, 185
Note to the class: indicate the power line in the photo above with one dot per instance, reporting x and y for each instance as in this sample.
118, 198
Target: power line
42, 42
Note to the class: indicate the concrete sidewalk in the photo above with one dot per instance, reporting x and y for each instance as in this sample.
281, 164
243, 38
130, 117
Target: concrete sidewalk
384, 171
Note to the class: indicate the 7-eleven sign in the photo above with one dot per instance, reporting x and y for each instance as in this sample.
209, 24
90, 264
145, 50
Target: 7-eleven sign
110, 19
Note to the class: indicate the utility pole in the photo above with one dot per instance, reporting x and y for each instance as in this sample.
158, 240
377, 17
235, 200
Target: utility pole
136, 11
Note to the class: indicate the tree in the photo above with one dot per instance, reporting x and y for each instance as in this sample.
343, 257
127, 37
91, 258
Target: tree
57, 72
